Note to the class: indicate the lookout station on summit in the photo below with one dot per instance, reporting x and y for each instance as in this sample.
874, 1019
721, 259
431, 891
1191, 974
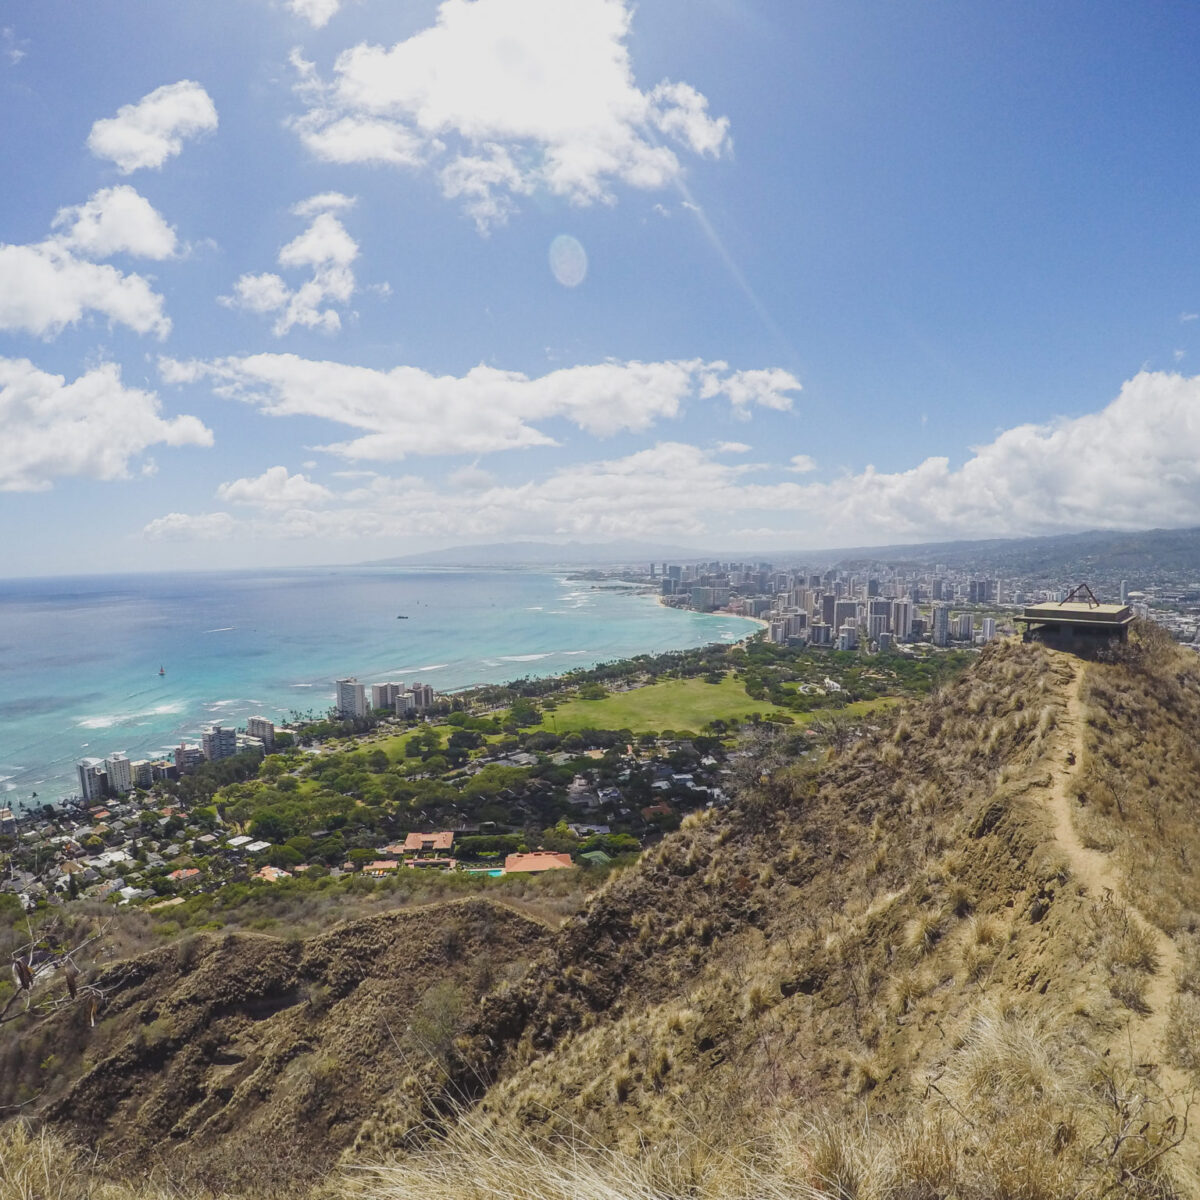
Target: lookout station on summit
1079, 622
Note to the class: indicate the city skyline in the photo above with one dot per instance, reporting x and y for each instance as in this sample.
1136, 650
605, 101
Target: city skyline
296, 282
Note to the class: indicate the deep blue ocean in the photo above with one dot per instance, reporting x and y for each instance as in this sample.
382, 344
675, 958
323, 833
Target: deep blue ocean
79, 657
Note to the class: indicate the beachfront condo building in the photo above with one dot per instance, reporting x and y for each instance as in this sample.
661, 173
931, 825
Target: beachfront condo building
351, 699
120, 773
219, 742
264, 730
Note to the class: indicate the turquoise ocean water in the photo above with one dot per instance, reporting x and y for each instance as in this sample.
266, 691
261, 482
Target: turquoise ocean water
79, 658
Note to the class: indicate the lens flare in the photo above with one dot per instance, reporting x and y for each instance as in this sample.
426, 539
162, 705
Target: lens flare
568, 260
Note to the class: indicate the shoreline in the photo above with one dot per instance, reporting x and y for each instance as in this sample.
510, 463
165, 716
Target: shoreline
22, 803
732, 616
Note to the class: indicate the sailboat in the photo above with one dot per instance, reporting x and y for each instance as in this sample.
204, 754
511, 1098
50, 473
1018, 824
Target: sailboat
162, 670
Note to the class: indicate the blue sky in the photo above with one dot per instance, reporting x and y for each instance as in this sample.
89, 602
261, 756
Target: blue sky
276, 280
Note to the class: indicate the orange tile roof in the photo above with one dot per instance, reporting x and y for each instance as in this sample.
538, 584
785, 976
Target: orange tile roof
541, 860
184, 873
428, 841
271, 874
381, 865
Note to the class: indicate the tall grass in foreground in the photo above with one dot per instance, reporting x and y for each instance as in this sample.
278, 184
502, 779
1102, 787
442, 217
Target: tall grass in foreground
1013, 1115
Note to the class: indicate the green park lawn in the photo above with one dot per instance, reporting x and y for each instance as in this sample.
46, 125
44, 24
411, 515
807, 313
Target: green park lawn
671, 704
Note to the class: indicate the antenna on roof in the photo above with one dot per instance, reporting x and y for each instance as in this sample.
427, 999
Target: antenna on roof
1083, 587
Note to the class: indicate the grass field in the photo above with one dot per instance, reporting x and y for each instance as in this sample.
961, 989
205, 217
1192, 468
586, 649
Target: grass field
671, 704
393, 746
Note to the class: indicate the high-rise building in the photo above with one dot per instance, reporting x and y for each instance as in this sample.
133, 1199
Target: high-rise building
383, 695
902, 619
219, 742
120, 773
187, 758
964, 627
843, 611
1124, 591
989, 629
941, 625
264, 730
423, 696
351, 700
92, 780
880, 608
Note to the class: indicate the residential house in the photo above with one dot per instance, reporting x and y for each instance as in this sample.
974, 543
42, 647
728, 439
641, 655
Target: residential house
536, 862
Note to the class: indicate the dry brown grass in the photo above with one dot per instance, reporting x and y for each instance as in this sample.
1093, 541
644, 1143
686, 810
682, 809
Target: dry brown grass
712, 1023
1013, 1113
1136, 790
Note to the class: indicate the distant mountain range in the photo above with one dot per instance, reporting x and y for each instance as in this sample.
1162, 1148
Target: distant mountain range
1120, 552
1131, 553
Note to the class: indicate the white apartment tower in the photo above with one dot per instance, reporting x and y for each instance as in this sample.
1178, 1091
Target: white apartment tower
941, 624
264, 730
91, 779
120, 773
351, 699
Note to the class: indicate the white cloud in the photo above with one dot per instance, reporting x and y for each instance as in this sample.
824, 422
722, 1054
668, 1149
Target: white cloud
733, 448
149, 132
45, 286
274, 488
93, 427
471, 479
324, 247
1132, 465
802, 464
505, 97
770, 388
1189, 316
182, 527
408, 411
12, 47
325, 202
316, 12
116, 220
324, 243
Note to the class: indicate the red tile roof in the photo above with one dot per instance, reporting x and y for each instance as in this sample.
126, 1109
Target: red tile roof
417, 842
540, 860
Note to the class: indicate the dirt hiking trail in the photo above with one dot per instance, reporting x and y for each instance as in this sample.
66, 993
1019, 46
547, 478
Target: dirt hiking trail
1145, 1034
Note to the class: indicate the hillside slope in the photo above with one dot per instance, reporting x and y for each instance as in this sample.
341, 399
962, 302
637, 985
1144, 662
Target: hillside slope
240, 1059
956, 953
910, 931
